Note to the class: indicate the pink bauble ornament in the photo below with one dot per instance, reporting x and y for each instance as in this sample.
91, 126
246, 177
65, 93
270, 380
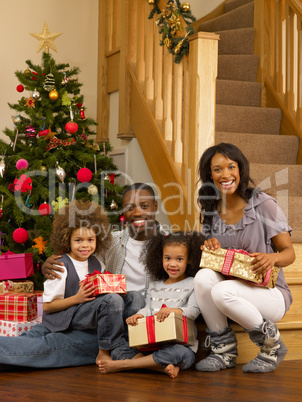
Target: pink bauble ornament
22, 164
44, 209
20, 235
84, 175
20, 88
71, 127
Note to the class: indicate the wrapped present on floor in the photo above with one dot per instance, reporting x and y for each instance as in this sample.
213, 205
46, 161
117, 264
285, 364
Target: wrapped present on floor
16, 266
106, 283
19, 307
151, 334
39, 294
13, 328
17, 286
237, 263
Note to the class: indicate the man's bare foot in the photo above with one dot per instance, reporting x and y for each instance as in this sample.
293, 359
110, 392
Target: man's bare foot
103, 355
172, 371
112, 366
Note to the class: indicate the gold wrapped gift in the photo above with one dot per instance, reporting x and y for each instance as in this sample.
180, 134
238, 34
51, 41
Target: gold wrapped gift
237, 263
150, 332
17, 286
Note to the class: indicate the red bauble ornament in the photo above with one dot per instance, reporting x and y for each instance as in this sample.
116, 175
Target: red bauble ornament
71, 127
20, 88
44, 209
20, 235
84, 175
112, 175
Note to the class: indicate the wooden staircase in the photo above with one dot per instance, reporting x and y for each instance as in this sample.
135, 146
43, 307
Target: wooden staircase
175, 112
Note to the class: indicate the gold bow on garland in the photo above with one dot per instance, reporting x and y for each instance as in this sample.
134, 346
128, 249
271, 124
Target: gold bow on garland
55, 142
170, 24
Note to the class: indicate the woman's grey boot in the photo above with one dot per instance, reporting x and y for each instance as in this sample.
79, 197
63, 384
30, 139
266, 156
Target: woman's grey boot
223, 354
272, 348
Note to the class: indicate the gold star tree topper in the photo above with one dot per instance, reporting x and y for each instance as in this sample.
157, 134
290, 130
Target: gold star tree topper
46, 39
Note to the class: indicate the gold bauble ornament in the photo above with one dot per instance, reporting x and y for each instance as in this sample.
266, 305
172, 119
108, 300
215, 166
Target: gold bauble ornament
53, 95
113, 205
43, 168
151, 2
185, 7
27, 73
168, 42
178, 47
92, 189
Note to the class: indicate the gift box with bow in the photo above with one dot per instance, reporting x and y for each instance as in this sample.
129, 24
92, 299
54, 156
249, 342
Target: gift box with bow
106, 283
21, 307
237, 263
151, 334
16, 266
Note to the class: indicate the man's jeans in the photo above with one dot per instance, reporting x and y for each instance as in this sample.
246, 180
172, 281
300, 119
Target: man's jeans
44, 349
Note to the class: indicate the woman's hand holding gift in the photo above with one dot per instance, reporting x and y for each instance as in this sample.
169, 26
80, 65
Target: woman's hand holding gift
263, 262
211, 244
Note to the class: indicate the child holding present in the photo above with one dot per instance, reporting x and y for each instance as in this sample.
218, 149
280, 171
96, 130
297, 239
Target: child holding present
79, 230
171, 260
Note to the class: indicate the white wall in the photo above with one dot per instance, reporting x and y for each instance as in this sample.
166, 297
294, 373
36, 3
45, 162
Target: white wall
76, 19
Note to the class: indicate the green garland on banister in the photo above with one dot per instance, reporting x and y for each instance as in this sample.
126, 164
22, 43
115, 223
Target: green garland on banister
169, 24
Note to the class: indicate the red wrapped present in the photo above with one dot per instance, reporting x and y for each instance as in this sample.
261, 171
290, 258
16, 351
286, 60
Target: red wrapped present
106, 283
15, 266
19, 307
13, 328
151, 334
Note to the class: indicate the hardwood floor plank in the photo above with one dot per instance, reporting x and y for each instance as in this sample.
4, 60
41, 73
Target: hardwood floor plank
87, 384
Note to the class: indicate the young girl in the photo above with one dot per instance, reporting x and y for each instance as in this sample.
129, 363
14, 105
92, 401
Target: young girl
237, 215
80, 230
170, 260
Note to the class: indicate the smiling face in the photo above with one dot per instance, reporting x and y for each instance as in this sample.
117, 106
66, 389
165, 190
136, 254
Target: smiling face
82, 243
225, 174
175, 261
139, 211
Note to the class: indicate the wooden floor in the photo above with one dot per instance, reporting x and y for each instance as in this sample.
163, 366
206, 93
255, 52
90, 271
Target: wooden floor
87, 384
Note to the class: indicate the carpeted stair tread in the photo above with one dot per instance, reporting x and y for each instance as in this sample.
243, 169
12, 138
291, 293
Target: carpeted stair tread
236, 41
245, 119
242, 67
278, 179
232, 4
241, 17
258, 148
240, 93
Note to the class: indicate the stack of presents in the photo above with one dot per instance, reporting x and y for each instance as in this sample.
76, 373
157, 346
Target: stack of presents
21, 306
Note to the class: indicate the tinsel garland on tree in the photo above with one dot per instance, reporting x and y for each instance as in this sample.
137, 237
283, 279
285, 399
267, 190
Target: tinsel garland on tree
170, 25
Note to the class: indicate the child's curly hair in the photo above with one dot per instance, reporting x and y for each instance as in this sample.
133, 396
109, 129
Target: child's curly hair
152, 255
80, 214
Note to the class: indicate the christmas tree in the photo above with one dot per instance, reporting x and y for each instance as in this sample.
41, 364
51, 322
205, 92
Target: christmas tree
51, 158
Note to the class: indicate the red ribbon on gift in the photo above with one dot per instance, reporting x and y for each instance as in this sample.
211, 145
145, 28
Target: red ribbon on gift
228, 262
150, 325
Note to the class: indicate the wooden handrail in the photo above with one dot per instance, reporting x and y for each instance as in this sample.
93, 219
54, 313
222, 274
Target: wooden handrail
278, 40
169, 107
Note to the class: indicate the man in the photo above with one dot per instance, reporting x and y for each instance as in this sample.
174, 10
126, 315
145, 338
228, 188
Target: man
75, 348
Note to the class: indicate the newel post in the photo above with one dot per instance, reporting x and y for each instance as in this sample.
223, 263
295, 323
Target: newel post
203, 60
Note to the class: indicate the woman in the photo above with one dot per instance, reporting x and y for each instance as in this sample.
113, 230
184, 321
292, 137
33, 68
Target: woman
236, 214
